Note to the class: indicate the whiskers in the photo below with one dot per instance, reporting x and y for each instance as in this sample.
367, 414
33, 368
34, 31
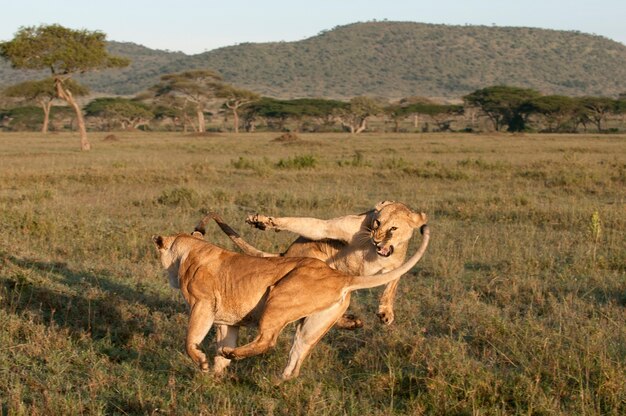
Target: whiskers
363, 237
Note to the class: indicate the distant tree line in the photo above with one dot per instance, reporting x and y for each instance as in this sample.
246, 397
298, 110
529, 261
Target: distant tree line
178, 103
199, 100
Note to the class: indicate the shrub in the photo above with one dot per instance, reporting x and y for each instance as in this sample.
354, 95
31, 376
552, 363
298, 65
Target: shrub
179, 197
297, 162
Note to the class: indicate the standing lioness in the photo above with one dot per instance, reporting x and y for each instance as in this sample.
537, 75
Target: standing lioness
231, 290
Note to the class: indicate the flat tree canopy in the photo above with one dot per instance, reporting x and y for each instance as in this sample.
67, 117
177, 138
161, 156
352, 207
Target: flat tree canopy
65, 52
197, 86
502, 104
43, 92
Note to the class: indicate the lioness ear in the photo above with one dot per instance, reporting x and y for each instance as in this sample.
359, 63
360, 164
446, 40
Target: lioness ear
381, 204
418, 219
158, 241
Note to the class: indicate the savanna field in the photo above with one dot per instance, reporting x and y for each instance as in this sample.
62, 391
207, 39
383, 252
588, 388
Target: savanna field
518, 307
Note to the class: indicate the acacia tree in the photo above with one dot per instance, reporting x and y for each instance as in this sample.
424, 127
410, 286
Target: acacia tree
557, 110
65, 52
235, 99
441, 114
502, 105
396, 113
275, 112
407, 103
43, 92
197, 87
355, 115
322, 111
598, 109
129, 114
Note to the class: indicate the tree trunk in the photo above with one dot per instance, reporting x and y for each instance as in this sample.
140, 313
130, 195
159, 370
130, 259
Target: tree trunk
201, 122
416, 121
350, 126
46, 115
598, 123
67, 96
362, 126
235, 120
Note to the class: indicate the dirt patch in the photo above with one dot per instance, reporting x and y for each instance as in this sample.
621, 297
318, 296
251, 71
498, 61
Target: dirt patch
287, 138
203, 134
111, 138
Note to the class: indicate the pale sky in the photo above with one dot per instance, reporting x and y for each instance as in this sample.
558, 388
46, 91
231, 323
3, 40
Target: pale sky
195, 26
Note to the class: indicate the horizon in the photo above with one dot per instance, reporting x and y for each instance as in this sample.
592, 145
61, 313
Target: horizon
360, 22
216, 25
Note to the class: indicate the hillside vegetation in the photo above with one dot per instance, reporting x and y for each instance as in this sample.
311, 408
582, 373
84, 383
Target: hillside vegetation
389, 59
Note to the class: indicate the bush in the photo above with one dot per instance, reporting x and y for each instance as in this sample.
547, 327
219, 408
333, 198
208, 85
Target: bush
297, 162
179, 197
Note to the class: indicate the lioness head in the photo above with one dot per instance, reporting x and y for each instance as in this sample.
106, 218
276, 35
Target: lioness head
169, 259
392, 225
171, 249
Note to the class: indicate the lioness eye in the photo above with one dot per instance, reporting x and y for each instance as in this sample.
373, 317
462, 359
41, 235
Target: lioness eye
393, 228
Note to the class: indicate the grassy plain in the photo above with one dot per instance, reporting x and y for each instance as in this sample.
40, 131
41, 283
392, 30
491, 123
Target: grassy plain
519, 306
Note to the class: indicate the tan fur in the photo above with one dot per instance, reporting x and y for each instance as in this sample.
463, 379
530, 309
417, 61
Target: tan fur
352, 244
231, 290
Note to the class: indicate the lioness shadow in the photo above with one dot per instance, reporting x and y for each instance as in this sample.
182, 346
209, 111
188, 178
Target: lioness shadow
80, 312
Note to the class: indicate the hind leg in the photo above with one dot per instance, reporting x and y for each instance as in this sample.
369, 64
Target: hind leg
349, 321
309, 333
226, 337
279, 311
200, 323
264, 341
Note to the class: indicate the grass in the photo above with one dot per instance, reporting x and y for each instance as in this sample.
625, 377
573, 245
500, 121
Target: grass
518, 307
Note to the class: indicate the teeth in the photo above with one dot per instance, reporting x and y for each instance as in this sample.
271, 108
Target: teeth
385, 251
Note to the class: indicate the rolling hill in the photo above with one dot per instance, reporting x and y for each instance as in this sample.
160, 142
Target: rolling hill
389, 59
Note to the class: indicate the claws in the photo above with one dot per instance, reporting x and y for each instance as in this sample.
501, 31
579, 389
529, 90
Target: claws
260, 221
226, 352
386, 317
349, 321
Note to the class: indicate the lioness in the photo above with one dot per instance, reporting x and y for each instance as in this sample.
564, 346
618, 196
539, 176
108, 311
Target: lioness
364, 244
231, 290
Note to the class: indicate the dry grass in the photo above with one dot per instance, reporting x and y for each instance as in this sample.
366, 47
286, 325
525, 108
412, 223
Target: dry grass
518, 308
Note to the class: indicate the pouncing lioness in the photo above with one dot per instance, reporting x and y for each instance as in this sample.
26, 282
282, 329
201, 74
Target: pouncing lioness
231, 290
363, 244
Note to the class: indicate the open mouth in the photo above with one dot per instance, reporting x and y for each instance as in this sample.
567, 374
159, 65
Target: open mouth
385, 251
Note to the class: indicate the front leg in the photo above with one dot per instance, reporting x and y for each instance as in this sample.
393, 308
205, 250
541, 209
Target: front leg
385, 307
261, 222
342, 228
200, 323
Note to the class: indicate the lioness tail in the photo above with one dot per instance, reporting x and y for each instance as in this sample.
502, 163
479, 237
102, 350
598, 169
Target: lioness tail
365, 282
232, 234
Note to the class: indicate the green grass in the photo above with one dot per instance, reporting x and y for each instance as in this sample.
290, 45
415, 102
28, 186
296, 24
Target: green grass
517, 308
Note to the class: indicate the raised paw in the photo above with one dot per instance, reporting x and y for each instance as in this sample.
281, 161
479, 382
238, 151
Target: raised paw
260, 221
349, 321
226, 352
385, 315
